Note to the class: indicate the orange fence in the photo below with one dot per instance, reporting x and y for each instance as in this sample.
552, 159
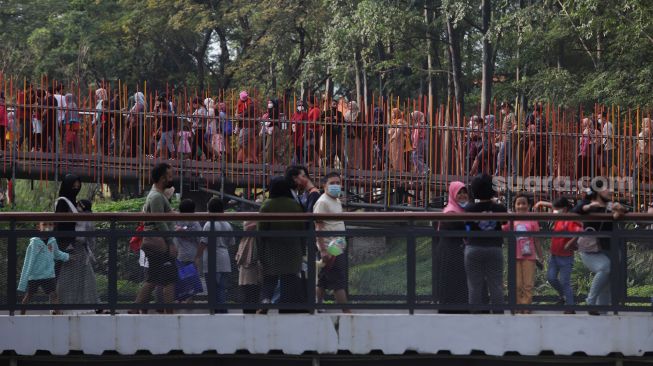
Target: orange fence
392, 152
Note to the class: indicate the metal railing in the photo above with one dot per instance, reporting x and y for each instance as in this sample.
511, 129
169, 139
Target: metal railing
396, 278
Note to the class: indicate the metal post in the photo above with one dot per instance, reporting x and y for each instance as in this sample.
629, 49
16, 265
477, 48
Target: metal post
56, 149
11, 267
512, 267
435, 242
113, 268
616, 282
181, 163
211, 286
311, 254
411, 276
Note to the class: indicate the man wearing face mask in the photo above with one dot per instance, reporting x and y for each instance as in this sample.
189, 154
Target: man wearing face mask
334, 274
159, 251
332, 132
299, 119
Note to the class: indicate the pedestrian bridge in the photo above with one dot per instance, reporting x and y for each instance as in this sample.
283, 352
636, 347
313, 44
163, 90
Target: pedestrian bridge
393, 293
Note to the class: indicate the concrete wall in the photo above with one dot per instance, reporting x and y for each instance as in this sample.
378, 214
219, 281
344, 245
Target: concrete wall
631, 335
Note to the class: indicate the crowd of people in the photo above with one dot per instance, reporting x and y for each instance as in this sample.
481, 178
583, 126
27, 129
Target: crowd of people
470, 269
271, 269
245, 131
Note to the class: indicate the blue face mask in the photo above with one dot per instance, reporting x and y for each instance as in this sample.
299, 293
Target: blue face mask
334, 190
463, 204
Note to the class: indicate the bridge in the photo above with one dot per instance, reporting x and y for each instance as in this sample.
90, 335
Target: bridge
397, 313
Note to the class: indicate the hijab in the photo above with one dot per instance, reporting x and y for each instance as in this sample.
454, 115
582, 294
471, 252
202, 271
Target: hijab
139, 98
452, 204
279, 187
67, 190
101, 94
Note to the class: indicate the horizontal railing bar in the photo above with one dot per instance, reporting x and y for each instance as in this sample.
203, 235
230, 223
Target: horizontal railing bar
347, 216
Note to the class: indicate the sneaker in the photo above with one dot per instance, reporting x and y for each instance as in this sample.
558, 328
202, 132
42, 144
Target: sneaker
561, 301
595, 313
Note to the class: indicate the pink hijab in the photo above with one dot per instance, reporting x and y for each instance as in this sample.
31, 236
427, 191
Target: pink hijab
452, 204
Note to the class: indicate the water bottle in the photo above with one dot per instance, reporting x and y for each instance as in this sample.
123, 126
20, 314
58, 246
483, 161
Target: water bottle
336, 246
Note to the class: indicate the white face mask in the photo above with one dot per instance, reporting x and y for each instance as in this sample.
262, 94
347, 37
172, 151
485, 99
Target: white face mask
300, 108
270, 105
556, 211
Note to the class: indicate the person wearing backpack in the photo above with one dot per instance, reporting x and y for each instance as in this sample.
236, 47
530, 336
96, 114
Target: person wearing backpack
484, 255
595, 252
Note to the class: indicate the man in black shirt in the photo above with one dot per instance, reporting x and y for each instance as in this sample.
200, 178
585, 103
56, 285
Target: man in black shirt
300, 181
484, 256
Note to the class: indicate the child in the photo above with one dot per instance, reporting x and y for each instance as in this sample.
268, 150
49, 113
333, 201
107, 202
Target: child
184, 143
187, 246
562, 253
71, 120
528, 250
38, 268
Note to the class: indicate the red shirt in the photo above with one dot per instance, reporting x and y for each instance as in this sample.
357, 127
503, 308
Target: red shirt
298, 135
558, 243
314, 114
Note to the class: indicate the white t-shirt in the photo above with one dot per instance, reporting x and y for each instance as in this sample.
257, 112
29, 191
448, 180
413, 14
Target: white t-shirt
61, 103
222, 243
328, 204
607, 136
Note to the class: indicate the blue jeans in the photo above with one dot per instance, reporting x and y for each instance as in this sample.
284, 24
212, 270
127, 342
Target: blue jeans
599, 264
505, 159
559, 265
220, 287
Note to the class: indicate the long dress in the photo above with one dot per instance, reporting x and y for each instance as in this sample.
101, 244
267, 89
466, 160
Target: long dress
449, 267
76, 282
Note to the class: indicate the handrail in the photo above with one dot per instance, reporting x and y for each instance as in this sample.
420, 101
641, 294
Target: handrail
348, 216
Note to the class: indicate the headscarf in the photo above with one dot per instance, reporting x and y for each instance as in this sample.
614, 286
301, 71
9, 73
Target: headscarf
418, 117
66, 189
452, 204
139, 98
395, 115
101, 94
352, 114
243, 95
279, 187
273, 113
209, 103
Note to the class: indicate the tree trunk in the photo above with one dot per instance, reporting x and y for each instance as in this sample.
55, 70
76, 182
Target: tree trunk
488, 64
366, 100
223, 59
357, 70
456, 68
428, 19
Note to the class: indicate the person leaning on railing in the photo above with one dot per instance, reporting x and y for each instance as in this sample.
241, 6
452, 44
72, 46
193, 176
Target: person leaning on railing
595, 252
484, 255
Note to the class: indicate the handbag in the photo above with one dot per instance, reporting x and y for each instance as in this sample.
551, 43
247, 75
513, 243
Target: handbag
588, 244
188, 281
136, 241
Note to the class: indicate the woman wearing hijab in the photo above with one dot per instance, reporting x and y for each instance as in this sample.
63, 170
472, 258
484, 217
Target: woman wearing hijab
275, 141
449, 261
398, 141
76, 281
130, 139
245, 115
281, 257
354, 137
